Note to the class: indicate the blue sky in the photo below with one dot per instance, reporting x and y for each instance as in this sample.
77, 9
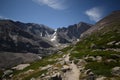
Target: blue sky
57, 13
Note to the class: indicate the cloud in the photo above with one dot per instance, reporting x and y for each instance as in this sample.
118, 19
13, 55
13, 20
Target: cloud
95, 14
55, 4
2, 17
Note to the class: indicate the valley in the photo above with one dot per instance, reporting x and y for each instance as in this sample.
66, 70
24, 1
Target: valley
58, 54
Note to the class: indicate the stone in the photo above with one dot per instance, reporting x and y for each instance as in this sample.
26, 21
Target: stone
29, 71
111, 43
98, 58
81, 62
116, 71
118, 43
65, 68
101, 78
32, 79
87, 71
110, 60
91, 77
21, 66
43, 75
7, 72
56, 76
46, 67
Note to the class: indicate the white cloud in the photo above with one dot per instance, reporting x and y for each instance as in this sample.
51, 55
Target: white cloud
55, 4
95, 14
2, 17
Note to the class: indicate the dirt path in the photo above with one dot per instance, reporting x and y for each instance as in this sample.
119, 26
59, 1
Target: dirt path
74, 73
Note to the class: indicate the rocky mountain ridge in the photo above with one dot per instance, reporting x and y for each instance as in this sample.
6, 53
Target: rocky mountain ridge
35, 38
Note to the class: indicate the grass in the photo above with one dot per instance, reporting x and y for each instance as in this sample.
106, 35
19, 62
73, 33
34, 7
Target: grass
1, 73
66, 49
36, 65
34, 75
84, 48
102, 68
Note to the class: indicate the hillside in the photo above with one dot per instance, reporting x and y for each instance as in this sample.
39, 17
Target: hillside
95, 57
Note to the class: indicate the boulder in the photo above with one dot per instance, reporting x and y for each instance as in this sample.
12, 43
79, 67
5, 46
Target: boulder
21, 66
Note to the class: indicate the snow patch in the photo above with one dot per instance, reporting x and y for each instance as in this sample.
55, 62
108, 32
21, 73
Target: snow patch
54, 36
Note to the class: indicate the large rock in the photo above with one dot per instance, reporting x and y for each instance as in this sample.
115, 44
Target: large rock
21, 66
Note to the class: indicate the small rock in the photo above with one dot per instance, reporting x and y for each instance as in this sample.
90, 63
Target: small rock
116, 71
81, 62
111, 43
118, 43
98, 58
91, 77
7, 72
29, 71
65, 68
101, 78
56, 76
110, 60
32, 79
46, 67
43, 75
55, 68
87, 71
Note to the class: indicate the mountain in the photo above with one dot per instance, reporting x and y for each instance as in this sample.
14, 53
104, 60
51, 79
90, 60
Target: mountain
95, 57
72, 32
39, 30
36, 38
17, 37
26, 42
112, 19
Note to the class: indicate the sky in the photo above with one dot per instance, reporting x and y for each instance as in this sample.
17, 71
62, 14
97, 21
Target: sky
57, 13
